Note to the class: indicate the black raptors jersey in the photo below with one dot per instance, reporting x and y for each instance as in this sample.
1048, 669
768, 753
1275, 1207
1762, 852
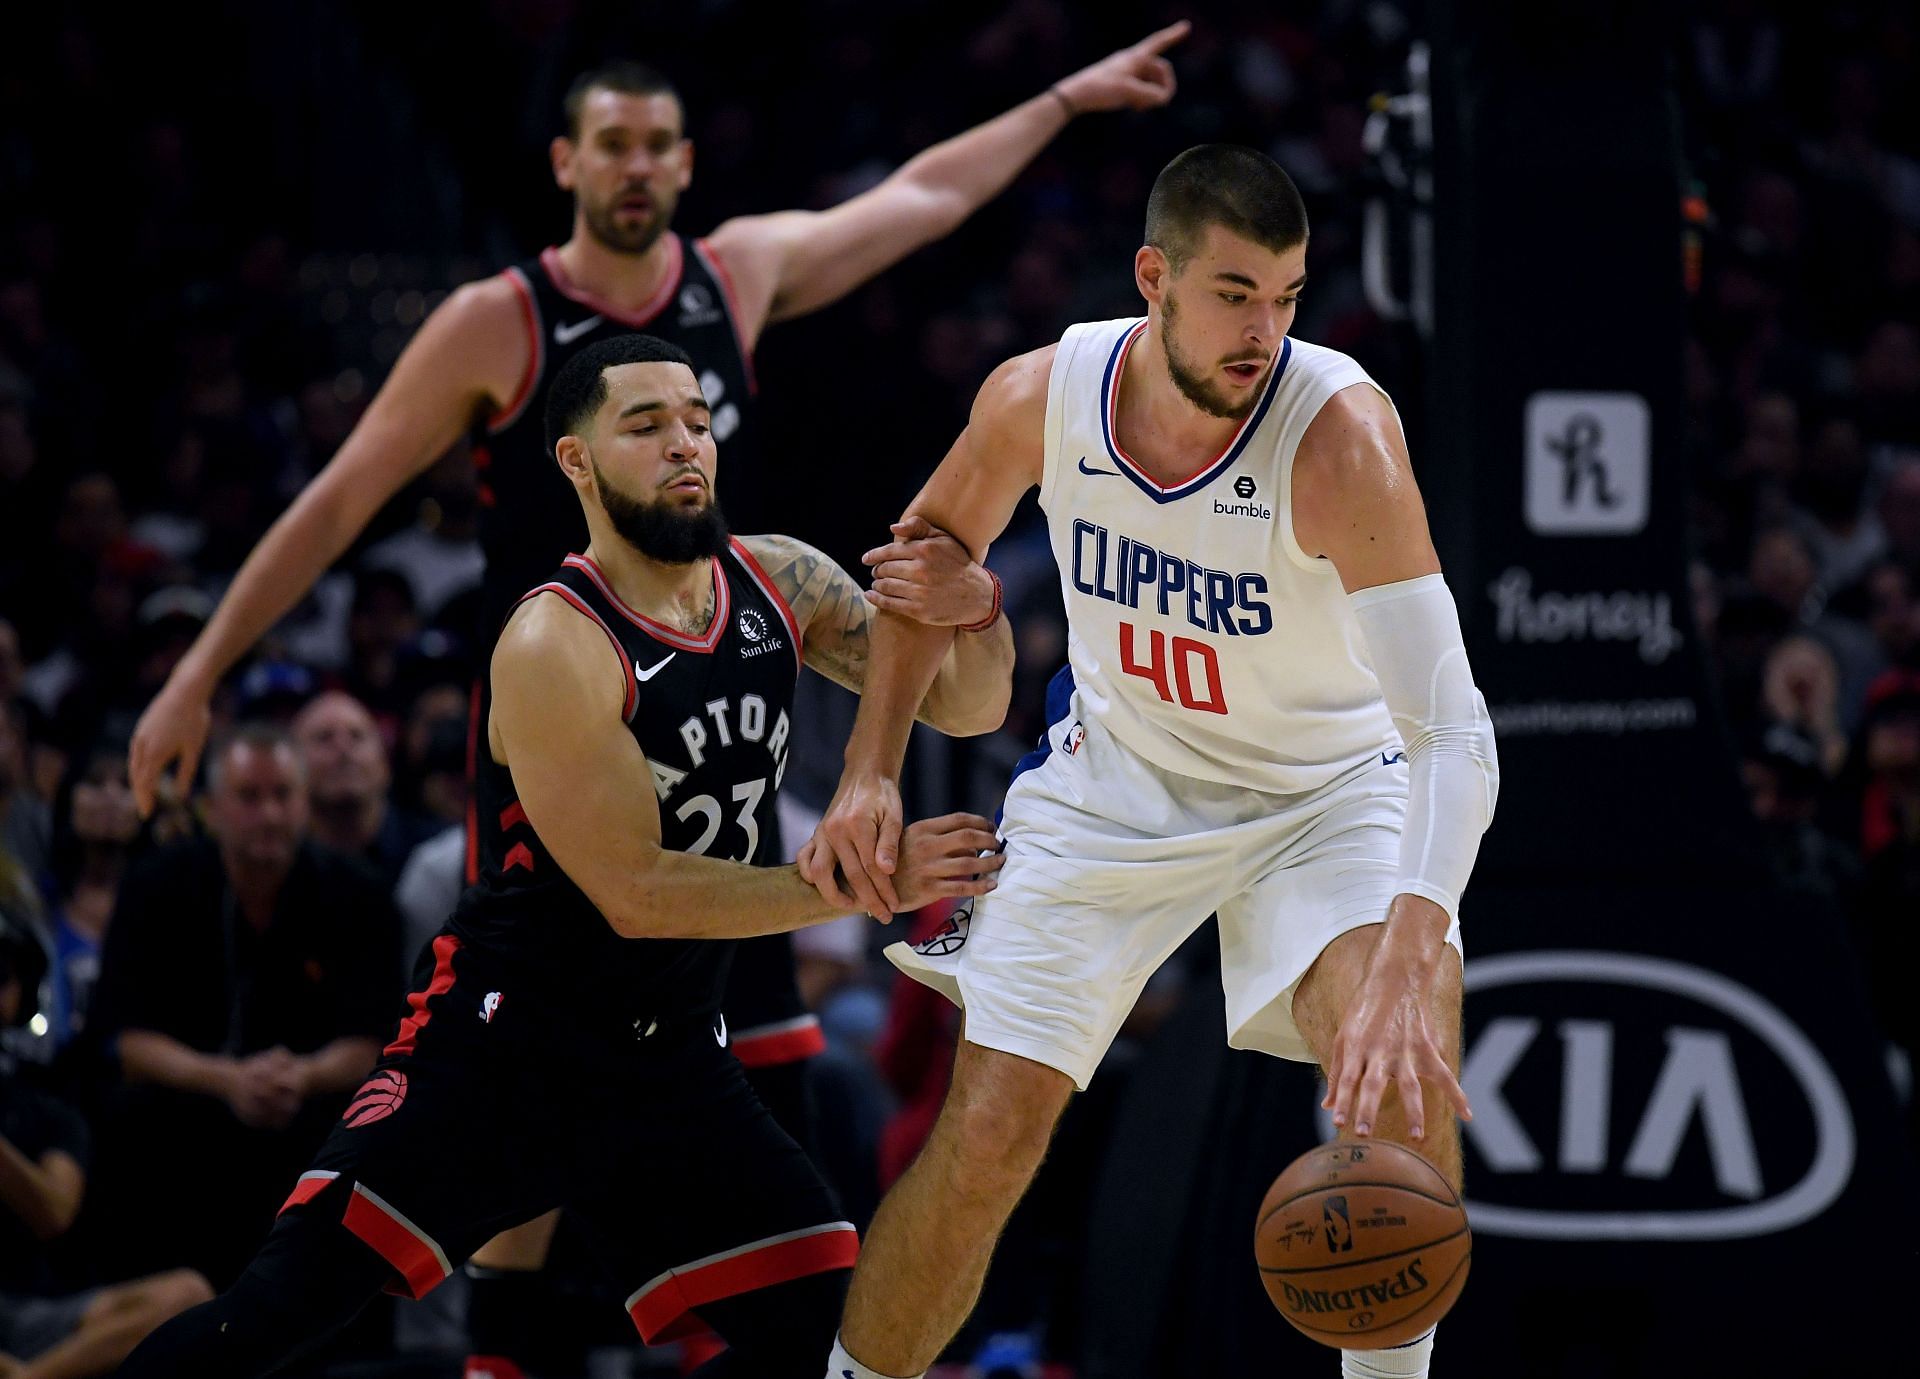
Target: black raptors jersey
530, 518
713, 715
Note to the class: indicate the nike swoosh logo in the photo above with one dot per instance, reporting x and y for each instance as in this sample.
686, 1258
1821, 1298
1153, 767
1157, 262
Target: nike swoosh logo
645, 675
1085, 468
720, 1034
567, 334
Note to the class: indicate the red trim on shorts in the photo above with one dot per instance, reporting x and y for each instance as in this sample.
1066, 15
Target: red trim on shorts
652, 307
491, 1367
710, 256
414, 1254
773, 594
310, 1185
789, 1041
626, 667
659, 631
444, 947
662, 1309
536, 359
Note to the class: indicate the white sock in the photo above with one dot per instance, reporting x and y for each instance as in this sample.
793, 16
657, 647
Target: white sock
841, 1365
1407, 1361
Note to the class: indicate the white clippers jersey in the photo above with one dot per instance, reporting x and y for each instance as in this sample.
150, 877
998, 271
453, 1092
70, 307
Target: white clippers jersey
1200, 635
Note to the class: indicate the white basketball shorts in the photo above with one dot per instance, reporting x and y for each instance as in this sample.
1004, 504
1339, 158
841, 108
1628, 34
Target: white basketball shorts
1112, 863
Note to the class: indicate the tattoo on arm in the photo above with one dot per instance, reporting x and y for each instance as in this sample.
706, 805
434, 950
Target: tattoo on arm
834, 617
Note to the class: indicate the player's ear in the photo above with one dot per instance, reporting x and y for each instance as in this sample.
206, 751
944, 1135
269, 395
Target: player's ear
1151, 272
574, 460
686, 164
560, 153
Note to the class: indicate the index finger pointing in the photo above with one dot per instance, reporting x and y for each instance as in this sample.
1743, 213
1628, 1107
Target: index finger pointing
1164, 39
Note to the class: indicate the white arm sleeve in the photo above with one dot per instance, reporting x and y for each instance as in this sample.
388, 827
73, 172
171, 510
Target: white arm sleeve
1412, 631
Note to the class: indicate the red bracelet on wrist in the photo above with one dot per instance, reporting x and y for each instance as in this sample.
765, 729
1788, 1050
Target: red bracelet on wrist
993, 614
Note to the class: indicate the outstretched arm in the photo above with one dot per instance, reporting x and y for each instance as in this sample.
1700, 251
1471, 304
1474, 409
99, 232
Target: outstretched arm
470, 354
589, 794
1355, 502
793, 262
972, 495
969, 692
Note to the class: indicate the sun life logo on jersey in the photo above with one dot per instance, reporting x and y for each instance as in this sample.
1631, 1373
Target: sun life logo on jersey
1243, 489
759, 637
696, 306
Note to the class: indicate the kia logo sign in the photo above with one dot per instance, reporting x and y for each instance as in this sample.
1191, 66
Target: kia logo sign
1709, 1028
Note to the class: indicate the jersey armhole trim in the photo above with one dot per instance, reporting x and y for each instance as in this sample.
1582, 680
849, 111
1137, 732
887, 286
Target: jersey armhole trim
704, 251
536, 355
632, 701
767, 587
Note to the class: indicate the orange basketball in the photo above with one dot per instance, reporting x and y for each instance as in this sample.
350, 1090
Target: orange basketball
1362, 1245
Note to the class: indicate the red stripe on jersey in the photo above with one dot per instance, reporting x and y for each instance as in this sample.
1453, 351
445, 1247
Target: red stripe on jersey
536, 355
517, 856
789, 1041
515, 813
311, 1185
710, 256
444, 947
414, 1255
767, 587
652, 307
662, 1310
626, 666
659, 631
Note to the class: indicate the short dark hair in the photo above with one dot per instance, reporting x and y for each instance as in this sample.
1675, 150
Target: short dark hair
582, 385
1228, 185
624, 75
259, 735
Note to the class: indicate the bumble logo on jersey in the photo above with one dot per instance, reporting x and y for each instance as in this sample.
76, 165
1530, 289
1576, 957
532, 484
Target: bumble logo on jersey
1124, 570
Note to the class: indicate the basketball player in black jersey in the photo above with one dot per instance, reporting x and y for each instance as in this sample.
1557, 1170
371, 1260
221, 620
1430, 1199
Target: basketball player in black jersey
482, 362
566, 1040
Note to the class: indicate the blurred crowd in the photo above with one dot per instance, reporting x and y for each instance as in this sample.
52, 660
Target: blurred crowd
191, 320
1803, 388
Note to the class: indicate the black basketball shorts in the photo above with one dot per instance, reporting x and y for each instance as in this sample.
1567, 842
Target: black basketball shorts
494, 1104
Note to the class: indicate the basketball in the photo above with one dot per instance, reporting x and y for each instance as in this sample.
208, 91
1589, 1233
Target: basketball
1362, 1246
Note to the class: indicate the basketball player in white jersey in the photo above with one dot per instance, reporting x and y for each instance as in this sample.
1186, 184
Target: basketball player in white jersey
1267, 714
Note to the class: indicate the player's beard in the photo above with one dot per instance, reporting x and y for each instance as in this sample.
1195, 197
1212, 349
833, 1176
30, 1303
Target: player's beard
1193, 383
603, 223
668, 532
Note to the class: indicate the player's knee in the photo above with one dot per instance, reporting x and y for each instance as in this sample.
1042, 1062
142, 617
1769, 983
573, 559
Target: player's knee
1000, 1117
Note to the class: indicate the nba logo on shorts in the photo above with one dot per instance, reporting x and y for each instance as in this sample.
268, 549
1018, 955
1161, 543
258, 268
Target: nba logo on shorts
488, 1005
1076, 735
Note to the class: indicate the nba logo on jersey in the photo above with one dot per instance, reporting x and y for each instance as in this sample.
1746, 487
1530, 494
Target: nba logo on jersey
488, 1005
1076, 735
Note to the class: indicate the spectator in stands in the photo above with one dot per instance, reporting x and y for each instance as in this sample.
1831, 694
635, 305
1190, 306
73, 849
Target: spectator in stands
1785, 779
380, 625
247, 983
95, 827
46, 1334
26, 822
347, 786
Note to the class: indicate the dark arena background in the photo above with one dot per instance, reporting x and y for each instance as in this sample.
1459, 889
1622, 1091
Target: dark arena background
1644, 281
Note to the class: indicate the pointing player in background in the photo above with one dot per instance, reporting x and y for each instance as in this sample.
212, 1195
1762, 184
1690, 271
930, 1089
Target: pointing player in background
481, 365
1267, 713
565, 1043
481, 362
